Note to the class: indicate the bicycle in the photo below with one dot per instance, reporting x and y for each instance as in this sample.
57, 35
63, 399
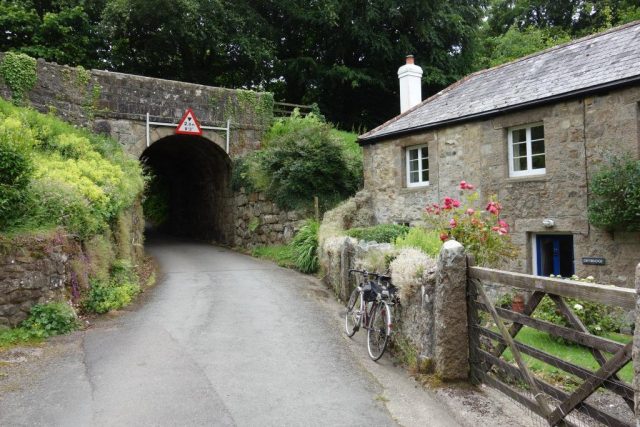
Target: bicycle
369, 306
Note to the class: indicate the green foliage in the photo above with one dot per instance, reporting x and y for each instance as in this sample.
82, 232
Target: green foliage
517, 43
18, 71
54, 318
301, 159
16, 169
281, 254
304, 247
599, 319
56, 175
157, 193
427, 241
383, 233
17, 336
253, 224
615, 192
479, 230
114, 294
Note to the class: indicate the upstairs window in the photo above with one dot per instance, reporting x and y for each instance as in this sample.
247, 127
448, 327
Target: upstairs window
417, 166
526, 150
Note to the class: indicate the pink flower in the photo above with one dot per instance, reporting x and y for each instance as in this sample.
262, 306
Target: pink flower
453, 223
435, 205
448, 200
503, 224
437, 212
470, 211
502, 231
463, 185
475, 221
471, 187
443, 237
456, 203
489, 205
493, 210
495, 228
429, 209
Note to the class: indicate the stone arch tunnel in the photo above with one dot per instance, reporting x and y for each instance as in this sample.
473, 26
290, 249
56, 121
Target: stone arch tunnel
194, 174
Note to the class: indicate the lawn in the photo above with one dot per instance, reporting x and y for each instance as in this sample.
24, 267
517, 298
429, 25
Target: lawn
572, 353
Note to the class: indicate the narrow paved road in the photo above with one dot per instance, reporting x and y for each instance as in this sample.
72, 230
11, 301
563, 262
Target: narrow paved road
224, 340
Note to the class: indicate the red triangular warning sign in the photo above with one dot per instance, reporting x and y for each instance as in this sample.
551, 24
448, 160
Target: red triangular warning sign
189, 124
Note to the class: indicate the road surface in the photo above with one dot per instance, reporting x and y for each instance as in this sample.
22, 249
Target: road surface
223, 340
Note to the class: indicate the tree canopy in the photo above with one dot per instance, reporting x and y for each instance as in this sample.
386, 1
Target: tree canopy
342, 54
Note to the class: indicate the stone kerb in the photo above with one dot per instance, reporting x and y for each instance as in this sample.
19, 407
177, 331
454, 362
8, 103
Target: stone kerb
636, 351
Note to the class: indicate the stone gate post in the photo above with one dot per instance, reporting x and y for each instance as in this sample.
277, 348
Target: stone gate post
451, 341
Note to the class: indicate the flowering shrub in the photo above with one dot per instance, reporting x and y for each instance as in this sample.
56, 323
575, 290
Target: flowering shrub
480, 231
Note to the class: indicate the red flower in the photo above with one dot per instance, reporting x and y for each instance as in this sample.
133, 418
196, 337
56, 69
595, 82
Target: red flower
495, 228
470, 187
503, 224
493, 210
502, 231
448, 201
456, 203
443, 237
463, 185
453, 223
471, 212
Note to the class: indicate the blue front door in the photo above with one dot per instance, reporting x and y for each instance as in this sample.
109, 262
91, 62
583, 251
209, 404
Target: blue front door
555, 255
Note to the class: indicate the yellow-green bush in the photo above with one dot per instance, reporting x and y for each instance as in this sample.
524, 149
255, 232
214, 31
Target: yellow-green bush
54, 174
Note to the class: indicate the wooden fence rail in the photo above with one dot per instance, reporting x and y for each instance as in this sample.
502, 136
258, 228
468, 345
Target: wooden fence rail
548, 401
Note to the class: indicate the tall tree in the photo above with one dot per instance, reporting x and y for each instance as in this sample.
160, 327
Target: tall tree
345, 54
63, 31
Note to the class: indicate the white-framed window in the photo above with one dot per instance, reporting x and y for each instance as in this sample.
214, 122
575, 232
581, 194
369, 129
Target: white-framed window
417, 166
526, 150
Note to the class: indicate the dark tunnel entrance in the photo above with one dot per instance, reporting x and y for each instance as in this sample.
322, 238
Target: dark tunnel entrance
189, 193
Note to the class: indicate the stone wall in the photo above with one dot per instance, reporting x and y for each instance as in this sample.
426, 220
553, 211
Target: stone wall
432, 315
34, 273
39, 268
261, 222
577, 135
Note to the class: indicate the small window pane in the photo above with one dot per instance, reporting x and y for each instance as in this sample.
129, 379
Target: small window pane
519, 135
537, 147
519, 150
413, 165
537, 132
425, 152
413, 154
425, 163
425, 175
413, 177
538, 162
520, 164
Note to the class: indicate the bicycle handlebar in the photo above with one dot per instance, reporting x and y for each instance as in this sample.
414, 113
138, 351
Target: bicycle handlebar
366, 273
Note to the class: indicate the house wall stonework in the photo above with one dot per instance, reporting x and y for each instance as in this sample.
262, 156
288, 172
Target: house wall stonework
578, 133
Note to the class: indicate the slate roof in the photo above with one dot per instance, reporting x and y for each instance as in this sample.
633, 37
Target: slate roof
601, 60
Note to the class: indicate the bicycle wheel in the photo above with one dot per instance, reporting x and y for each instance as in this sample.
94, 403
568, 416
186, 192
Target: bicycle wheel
354, 313
379, 330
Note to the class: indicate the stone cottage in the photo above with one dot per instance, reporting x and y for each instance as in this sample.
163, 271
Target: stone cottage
531, 131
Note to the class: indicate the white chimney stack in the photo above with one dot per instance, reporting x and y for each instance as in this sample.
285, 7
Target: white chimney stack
410, 76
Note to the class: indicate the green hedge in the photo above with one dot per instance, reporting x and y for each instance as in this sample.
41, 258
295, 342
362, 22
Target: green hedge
302, 158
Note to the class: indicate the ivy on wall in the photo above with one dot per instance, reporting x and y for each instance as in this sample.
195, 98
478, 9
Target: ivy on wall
18, 71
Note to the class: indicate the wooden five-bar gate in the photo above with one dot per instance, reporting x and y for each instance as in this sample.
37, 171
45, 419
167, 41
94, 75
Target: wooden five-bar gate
555, 406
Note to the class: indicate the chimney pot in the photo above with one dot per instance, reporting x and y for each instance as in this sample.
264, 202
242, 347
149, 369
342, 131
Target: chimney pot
409, 59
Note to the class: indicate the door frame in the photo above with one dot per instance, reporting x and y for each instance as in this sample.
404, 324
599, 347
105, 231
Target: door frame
535, 267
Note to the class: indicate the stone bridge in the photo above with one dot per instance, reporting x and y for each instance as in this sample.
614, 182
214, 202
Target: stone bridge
202, 203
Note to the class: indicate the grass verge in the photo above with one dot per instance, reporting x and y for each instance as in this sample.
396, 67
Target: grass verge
281, 254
